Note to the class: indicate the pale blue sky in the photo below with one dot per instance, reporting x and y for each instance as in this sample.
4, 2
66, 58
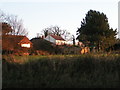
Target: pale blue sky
39, 14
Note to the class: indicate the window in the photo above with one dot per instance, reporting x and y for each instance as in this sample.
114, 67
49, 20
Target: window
25, 45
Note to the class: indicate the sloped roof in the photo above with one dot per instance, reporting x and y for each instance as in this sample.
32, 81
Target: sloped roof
13, 38
11, 41
57, 37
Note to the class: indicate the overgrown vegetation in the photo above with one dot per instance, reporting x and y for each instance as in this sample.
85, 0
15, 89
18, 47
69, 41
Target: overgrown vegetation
40, 44
61, 71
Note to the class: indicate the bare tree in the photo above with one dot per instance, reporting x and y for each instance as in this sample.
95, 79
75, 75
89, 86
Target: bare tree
56, 30
14, 22
45, 32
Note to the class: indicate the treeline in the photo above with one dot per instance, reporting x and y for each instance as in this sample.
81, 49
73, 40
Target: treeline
94, 33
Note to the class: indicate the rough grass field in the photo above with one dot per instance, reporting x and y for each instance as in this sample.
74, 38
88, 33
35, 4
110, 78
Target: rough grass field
61, 71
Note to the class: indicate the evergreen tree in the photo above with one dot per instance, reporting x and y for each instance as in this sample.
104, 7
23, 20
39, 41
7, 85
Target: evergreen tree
6, 28
95, 31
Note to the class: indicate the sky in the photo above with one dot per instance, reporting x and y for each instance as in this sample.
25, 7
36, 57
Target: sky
67, 14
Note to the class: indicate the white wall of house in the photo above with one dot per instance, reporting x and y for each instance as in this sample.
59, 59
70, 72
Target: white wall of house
50, 39
57, 42
60, 42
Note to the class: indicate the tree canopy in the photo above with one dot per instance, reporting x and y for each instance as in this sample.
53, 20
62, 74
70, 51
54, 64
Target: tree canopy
6, 28
95, 30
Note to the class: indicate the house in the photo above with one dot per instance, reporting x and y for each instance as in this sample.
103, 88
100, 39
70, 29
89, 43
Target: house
15, 43
58, 40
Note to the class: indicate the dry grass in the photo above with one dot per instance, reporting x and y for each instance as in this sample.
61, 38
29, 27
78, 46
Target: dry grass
59, 71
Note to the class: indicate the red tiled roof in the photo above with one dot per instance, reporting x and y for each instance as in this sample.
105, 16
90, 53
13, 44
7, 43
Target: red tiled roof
57, 37
12, 41
14, 38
